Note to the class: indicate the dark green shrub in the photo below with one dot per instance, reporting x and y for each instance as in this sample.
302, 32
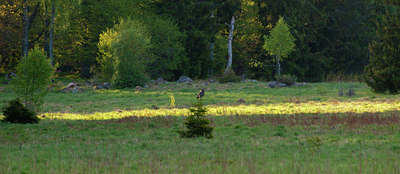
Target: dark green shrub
16, 112
287, 79
229, 76
196, 123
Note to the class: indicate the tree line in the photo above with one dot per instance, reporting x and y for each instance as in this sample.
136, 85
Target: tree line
190, 37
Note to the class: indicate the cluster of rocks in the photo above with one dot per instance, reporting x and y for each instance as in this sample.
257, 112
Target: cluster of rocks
159, 81
273, 84
349, 93
184, 79
249, 80
76, 88
72, 87
106, 85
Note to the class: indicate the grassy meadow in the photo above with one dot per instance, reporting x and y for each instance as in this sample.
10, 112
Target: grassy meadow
307, 129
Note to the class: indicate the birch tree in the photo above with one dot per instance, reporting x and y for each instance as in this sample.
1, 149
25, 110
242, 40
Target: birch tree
230, 38
280, 43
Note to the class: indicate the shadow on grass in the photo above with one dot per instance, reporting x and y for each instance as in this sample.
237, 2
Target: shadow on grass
350, 120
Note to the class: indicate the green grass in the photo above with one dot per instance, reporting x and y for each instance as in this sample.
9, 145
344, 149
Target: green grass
219, 97
153, 146
287, 130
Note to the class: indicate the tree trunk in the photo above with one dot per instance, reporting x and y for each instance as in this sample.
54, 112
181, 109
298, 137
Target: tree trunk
211, 71
211, 57
53, 12
25, 39
278, 65
230, 38
46, 31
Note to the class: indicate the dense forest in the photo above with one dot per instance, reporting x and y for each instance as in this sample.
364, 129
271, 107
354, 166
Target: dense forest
170, 38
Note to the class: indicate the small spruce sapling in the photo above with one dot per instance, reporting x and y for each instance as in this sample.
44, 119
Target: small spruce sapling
196, 123
16, 112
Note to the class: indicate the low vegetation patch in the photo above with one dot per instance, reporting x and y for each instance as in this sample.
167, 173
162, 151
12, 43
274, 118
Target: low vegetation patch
16, 112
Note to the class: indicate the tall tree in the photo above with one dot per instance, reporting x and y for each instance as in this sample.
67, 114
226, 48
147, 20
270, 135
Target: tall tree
230, 39
25, 39
280, 43
51, 34
10, 34
384, 69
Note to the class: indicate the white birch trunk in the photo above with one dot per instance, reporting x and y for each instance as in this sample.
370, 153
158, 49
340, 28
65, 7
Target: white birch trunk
278, 71
25, 39
230, 38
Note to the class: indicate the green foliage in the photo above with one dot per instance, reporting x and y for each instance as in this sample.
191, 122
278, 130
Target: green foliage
125, 53
196, 123
194, 20
314, 144
15, 112
229, 76
280, 42
383, 72
106, 58
33, 77
287, 79
167, 48
172, 101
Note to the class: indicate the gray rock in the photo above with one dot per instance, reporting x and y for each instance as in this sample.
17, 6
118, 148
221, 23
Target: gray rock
138, 88
160, 81
351, 92
107, 85
299, 84
273, 84
341, 93
205, 84
249, 80
76, 89
65, 90
212, 80
69, 87
97, 87
184, 79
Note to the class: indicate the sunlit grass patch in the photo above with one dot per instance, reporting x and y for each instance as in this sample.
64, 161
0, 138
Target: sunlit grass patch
229, 110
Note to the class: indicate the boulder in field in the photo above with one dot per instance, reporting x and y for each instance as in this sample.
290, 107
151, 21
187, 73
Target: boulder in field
160, 81
77, 89
106, 85
184, 79
351, 92
273, 84
69, 87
